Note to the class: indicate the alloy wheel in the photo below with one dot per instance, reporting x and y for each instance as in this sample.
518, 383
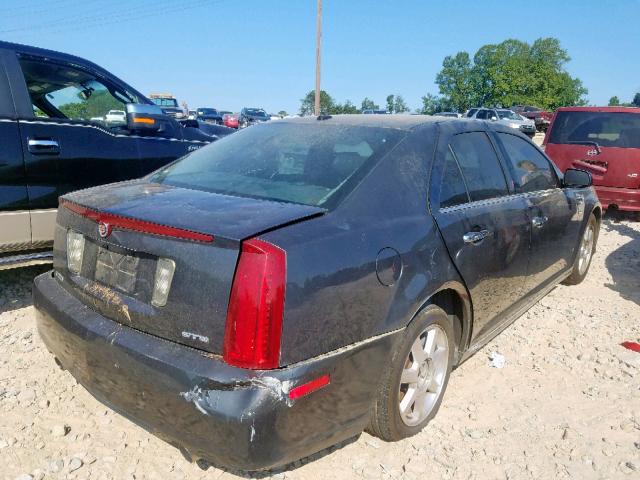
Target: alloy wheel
586, 249
423, 375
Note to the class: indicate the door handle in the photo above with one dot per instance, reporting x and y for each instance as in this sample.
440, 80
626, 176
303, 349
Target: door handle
475, 237
538, 222
43, 146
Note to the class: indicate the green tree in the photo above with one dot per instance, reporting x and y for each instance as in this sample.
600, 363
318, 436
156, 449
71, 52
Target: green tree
636, 100
399, 105
282, 113
347, 107
307, 104
433, 104
508, 73
614, 101
456, 81
390, 103
368, 104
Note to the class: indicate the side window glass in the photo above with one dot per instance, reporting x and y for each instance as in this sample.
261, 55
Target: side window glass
62, 91
480, 166
531, 170
452, 188
482, 114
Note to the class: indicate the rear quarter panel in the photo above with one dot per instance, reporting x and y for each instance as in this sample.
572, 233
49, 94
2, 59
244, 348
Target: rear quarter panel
333, 295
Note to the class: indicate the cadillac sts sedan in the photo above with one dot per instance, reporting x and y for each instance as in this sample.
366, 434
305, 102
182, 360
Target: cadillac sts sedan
295, 283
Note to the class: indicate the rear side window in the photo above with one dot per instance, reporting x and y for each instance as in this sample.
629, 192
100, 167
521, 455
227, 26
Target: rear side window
480, 165
482, 114
313, 163
531, 170
452, 188
607, 129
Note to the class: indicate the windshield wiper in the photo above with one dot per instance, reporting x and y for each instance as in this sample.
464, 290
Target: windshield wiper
587, 142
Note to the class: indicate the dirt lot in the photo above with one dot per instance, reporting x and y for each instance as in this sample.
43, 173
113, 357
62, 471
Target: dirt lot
565, 405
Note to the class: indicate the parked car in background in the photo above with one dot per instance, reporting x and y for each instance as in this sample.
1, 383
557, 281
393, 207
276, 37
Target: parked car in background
116, 117
249, 116
604, 141
286, 287
447, 114
505, 117
375, 112
169, 104
209, 115
222, 113
192, 115
542, 118
230, 120
68, 124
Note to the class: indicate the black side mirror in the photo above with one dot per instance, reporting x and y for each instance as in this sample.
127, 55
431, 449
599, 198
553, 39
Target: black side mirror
142, 117
577, 178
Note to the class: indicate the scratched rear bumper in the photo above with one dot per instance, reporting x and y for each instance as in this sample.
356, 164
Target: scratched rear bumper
232, 417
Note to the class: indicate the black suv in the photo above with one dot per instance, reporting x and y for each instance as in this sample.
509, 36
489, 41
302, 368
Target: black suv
209, 115
68, 124
249, 116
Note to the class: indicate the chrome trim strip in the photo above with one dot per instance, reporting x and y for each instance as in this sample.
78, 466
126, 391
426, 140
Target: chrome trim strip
107, 132
499, 200
26, 260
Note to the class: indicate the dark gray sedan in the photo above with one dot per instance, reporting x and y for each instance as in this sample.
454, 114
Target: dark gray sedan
297, 282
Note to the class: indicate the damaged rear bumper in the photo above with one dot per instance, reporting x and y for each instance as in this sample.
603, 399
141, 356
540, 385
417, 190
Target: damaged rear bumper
236, 418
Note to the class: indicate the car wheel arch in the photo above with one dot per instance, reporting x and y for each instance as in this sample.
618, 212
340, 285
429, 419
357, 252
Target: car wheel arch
454, 299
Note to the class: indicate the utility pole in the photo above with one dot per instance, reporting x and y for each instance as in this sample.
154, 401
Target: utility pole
318, 40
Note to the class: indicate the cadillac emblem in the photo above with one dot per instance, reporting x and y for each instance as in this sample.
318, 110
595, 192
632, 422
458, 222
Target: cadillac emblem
104, 229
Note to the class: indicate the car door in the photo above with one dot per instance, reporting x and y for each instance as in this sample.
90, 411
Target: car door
15, 223
556, 214
484, 226
67, 141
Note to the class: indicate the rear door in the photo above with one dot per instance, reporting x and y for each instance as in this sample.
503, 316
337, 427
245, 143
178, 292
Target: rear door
606, 144
15, 223
555, 215
484, 226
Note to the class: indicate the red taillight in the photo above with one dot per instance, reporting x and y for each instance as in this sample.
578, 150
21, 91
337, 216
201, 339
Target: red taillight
254, 317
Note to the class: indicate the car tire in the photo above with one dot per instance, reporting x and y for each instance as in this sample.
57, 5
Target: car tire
424, 376
584, 255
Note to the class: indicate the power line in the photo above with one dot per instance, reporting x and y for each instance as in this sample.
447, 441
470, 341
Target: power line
97, 20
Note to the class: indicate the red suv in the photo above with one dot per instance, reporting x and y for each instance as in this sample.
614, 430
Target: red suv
604, 141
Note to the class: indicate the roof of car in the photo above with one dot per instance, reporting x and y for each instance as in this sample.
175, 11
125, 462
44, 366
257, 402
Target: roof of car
389, 121
601, 109
28, 49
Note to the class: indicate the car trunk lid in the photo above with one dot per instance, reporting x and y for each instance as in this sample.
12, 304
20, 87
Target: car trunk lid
133, 230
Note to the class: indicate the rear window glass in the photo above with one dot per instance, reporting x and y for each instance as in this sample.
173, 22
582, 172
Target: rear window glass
312, 164
480, 166
606, 129
452, 188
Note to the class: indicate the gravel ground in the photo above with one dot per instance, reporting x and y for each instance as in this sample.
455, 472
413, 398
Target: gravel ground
565, 405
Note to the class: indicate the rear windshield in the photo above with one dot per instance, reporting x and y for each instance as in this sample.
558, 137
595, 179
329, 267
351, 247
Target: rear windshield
508, 115
312, 164
255, 112
606, 129
165, 102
